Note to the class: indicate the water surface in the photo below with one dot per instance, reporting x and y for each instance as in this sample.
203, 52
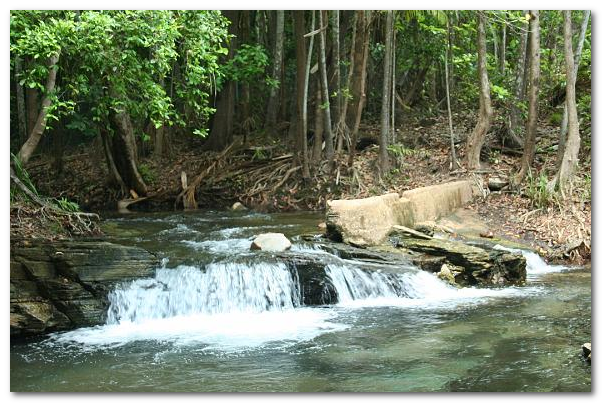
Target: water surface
216, 319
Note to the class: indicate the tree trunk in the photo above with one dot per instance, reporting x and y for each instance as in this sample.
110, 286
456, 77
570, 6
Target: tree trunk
503, 50
38, 129
299, 17
274, 99
319, 126
246, 91
161, 143
21, 114
385, 113
477, 137
570, 158
358, 82
221, 134
514, 122
454, 160
336, 62
125, 153
306, 84
564, 124
342, 123
325, 94
529, 149
393, 134
114, 176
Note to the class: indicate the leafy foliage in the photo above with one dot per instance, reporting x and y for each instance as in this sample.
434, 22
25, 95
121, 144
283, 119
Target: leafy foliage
116, 60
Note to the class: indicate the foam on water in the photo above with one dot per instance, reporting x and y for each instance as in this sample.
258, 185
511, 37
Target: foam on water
224, 331
221, 246
228, 232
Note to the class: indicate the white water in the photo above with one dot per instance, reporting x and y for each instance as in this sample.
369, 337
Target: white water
358, 288
241, 305
226, 306
231, 245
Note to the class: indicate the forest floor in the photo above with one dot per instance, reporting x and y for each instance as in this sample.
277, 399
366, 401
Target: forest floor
267, 179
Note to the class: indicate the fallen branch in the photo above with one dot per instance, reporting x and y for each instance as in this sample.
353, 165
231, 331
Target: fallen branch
188, 193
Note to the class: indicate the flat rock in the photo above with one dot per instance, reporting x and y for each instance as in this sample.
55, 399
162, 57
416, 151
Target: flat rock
477, 265
400, 230
271, 242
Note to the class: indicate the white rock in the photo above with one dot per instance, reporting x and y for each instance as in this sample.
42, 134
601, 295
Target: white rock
271, 242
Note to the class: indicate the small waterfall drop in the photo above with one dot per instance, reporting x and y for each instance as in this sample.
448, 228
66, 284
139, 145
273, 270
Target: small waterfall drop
219, 288
414, 288
355, 284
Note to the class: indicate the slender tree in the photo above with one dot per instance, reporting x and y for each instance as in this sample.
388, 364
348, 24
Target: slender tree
336, 63
358, 82
301, 143
21, 113
514, 121
564, 123
477, 137
503, 49
448, 50
274, 100
325, 98
564, 177
306, 84
36, 133
385, 114
534, 72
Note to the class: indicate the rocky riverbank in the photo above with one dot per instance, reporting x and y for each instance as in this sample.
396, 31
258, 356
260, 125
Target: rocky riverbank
64, 284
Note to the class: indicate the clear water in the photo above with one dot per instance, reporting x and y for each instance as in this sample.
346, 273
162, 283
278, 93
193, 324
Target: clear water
213, 320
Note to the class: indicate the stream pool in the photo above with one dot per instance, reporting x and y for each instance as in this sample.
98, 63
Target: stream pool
193, 330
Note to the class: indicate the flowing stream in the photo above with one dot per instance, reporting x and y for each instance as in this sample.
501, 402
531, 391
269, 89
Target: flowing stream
219, 317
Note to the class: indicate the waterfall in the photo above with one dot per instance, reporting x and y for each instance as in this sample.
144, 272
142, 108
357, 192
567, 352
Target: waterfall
413, 288
353, 284
219, 288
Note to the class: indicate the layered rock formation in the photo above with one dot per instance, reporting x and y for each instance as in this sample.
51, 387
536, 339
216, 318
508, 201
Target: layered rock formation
64, 284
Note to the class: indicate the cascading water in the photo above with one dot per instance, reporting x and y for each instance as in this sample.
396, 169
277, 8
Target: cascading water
234, 304
413, 288
219, 288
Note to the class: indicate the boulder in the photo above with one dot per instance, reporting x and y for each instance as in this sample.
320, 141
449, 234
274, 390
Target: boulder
238, 206
586, 348
271, 242
64, 284
449, 272
474, 265
366, 222
497, 183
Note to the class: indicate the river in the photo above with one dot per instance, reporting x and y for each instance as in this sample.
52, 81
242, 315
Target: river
216, 319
